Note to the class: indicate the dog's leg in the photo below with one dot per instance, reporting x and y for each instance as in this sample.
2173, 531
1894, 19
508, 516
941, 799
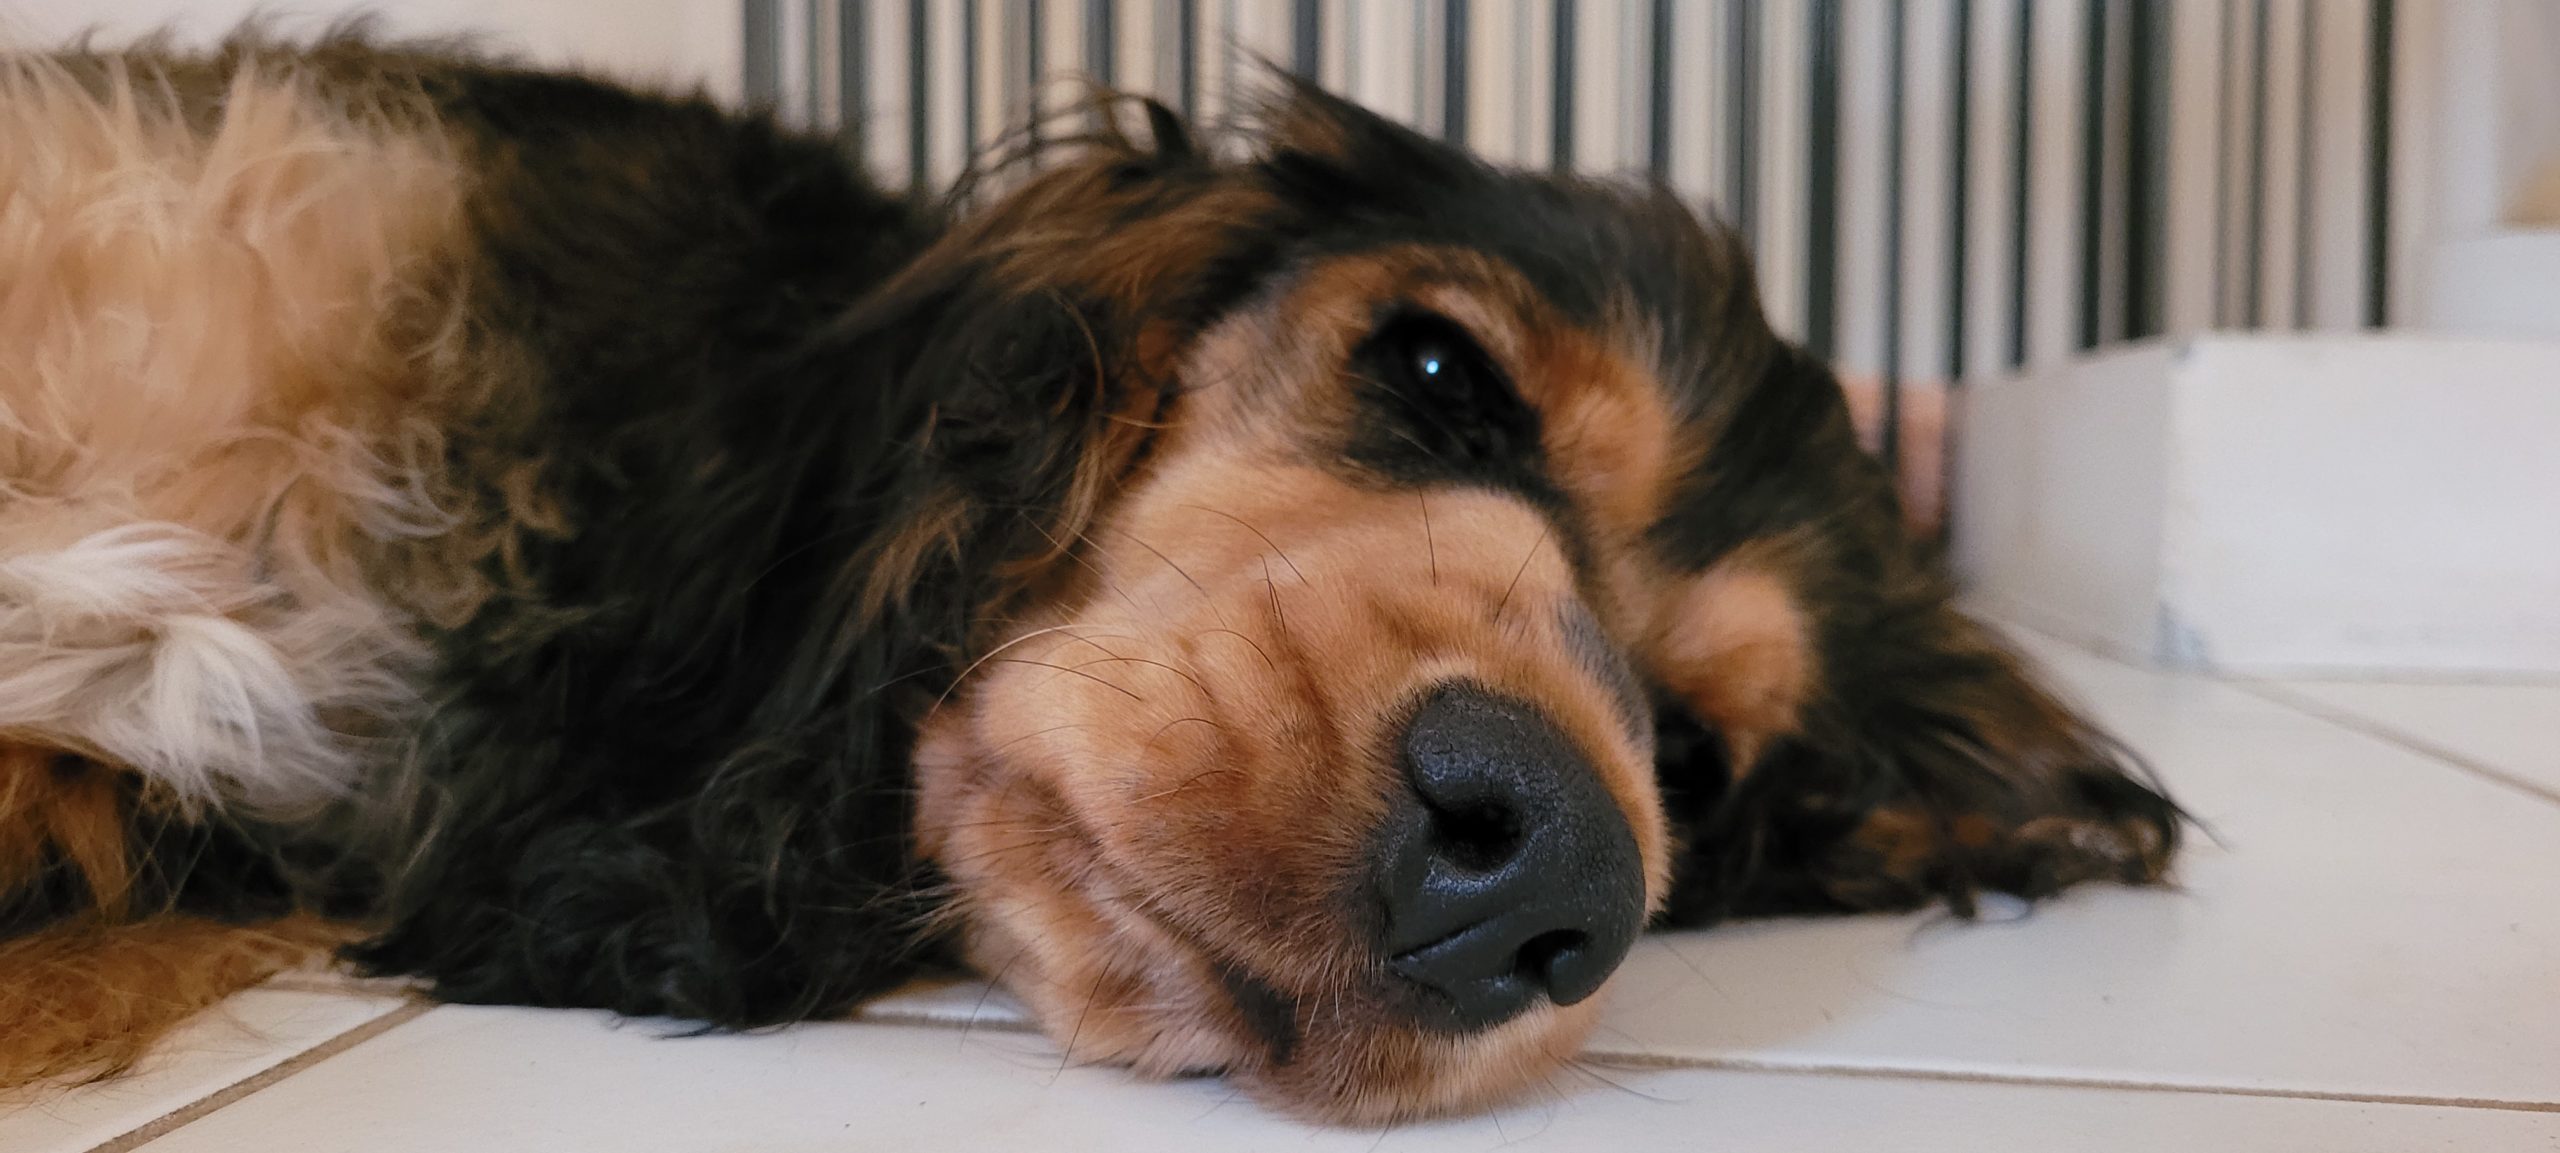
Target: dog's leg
1932, 766
62, 837
85, 1000
84, 988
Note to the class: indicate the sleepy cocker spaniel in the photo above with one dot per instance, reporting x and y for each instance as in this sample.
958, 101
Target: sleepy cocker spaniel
1295, 610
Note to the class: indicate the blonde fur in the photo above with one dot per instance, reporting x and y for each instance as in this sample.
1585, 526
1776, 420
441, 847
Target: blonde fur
218, 291
86, 1001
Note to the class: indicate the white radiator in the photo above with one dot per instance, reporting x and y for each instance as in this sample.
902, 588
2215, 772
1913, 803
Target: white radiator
1934, 187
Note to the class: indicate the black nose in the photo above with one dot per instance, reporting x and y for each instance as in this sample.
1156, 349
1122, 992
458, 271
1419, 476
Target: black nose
1510, 872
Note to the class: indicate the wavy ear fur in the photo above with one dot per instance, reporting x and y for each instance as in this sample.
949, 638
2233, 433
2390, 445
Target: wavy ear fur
772, 561
1929, 763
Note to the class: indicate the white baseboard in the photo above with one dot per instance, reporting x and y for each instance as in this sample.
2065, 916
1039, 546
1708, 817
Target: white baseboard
2356, 505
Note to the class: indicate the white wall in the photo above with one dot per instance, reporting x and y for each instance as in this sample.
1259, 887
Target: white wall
2495, 119
2276, 505
682, 43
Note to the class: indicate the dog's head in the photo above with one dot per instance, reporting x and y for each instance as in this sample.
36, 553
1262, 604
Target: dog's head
1318, 745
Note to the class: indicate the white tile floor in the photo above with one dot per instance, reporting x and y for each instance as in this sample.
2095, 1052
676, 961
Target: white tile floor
2365, 956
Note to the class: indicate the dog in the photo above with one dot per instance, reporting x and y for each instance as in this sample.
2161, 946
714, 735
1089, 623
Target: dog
1292, 603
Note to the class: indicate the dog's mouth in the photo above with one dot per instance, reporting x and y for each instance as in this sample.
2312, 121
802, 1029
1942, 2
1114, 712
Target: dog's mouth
1343, 1027
1361, 913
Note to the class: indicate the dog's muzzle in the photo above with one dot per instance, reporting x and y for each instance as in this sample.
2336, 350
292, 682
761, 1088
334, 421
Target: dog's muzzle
1509, 873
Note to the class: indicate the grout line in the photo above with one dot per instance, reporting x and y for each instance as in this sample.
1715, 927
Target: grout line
175, 1119
337, 983
2273, 692
2276, 694
1643, 1060
1892, 1073
2270, 693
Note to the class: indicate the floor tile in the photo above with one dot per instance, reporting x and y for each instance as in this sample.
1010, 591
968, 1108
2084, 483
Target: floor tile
2361, 920
508, 1080
2512, 729
2369, 921
2364, 920
245, 1036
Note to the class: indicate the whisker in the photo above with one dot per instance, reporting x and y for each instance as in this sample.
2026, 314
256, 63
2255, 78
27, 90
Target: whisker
1257, 646
1196, 586
1051, 836
1104, 649
1116, 658
1274, 589
1587, 1069
993, 984
1522, 571
1078, 672
1266, 539
1427, 412
1428, 541
1234, 1094
1089, 566
989, 823
1070, 1054
1187, 782
992, 653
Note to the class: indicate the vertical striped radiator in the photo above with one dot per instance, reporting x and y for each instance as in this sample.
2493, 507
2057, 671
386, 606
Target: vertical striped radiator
1935, 189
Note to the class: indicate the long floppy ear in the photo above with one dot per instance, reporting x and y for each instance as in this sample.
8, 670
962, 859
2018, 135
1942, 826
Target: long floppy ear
1843, 737
1322, 150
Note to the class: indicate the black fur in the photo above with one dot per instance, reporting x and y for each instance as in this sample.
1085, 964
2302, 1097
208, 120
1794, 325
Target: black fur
657, 778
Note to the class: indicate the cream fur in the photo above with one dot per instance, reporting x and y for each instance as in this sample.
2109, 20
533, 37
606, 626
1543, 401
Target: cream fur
218, 294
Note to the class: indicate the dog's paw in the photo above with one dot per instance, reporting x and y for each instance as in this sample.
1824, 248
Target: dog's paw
1907, 856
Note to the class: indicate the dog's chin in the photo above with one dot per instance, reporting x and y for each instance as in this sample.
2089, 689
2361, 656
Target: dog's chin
1365, 1073
1343, 1055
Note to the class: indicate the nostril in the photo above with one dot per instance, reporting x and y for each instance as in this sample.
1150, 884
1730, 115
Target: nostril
1548, 951
1476, 838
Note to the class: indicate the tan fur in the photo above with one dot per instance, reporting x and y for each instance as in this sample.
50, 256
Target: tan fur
84, 1000
57, 811
214, 295
1174, 777
1895, 854
1734, 644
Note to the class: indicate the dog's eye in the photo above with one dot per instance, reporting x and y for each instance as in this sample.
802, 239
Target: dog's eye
1438, 361
1432, 396
1432, 359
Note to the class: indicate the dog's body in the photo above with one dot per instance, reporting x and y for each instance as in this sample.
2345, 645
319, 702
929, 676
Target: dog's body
605, 552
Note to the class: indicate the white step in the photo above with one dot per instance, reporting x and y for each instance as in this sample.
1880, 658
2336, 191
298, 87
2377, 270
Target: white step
2352, 505
2500, 284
